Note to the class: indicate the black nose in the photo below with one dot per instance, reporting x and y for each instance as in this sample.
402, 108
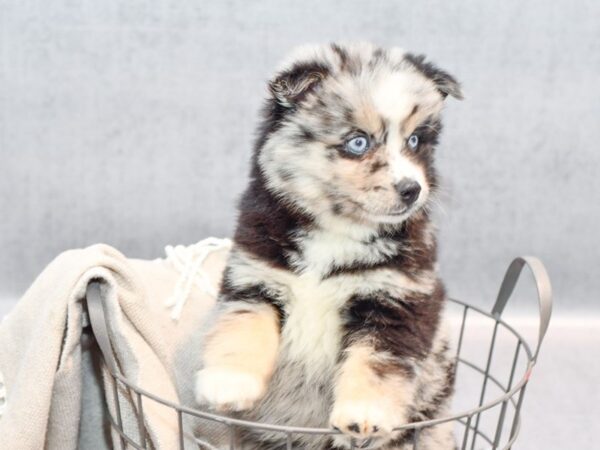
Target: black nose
409, 191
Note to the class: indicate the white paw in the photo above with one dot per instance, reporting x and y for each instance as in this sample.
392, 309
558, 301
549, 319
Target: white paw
228, 389
368, 422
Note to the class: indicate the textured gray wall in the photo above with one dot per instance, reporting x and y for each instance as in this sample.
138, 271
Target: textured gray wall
131, 123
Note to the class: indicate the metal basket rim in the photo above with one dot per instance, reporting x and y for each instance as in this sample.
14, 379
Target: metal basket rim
231, 421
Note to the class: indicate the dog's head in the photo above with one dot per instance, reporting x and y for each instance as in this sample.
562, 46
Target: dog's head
350, 131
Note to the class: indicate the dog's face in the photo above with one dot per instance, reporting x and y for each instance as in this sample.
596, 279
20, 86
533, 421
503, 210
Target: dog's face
351, 131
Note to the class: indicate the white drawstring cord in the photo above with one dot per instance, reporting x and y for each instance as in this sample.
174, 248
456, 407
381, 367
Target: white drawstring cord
188, 261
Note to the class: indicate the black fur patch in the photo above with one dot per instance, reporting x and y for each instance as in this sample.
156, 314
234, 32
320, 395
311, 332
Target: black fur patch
403, 327
429, 131
294, 84
266, 225
305, 135
285, 174
257, 293
274, 115
446, 83
413, 256
379, 56
377, 165
343, 55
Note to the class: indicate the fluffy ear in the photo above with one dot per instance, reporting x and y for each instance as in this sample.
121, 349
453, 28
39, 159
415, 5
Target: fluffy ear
290, 86
445, 83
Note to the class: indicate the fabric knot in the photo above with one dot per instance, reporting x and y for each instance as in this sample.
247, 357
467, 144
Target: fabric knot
188, 260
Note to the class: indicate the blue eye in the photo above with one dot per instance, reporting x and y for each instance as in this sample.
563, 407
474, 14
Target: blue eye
357, 145
413, 141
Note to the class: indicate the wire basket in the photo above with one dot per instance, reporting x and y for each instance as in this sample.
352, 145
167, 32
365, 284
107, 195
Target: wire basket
501, 371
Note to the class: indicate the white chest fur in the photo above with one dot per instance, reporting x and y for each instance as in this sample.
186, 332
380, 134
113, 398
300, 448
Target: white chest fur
313, 328
312, 331
341, 244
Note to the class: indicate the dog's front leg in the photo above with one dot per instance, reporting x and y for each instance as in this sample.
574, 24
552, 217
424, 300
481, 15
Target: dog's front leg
384, 339
373, 393
239, 356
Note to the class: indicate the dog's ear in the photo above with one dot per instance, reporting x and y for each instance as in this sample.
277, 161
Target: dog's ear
445, 83
292, 85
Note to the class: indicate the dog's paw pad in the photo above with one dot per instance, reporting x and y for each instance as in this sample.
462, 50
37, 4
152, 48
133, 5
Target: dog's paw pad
368, 423
228, 389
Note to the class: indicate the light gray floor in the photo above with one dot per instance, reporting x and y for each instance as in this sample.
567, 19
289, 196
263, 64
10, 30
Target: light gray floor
561, 406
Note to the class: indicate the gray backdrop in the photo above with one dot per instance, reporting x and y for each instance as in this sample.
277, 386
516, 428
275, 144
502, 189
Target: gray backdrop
131, 123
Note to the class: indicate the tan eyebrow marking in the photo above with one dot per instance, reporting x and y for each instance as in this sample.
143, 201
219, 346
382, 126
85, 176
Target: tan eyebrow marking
406, 124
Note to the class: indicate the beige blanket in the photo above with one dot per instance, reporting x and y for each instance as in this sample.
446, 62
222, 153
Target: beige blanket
53, 382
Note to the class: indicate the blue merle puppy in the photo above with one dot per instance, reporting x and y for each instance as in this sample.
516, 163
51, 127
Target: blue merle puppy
330, 308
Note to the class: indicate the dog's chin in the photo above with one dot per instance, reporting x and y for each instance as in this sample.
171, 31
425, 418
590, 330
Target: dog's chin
389, 217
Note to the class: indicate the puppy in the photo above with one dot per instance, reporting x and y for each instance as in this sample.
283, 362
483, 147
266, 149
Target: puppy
330, 305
